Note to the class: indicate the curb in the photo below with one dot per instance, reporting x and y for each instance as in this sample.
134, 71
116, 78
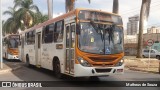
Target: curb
9, 69
143, 70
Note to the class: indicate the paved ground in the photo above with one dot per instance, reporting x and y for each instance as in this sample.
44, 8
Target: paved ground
10, 65
28, 74
33, 74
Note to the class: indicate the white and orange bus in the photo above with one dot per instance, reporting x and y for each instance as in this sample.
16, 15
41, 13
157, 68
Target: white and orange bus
80, 43
10, 46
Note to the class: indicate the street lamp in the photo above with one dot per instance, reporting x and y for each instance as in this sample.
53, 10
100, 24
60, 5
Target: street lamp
1, 61
50, 8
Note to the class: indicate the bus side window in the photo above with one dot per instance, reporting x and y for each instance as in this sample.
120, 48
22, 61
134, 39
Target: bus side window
33, 37
30, 37
27, 37
26, 34
48, 33
4, 42
73, 35
58, 31
43, 34
67, 37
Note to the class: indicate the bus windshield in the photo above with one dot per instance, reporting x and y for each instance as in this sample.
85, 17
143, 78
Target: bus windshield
100, 38
13, 42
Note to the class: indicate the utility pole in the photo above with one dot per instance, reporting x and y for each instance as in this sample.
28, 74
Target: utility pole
144, 13
50, 8
115, 6
1, 61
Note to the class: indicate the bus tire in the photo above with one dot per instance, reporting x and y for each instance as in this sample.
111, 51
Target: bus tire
6, 56
57, 69
27, 61
158, 57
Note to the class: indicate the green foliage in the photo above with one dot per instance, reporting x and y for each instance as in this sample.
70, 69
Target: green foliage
11, 25
23, 15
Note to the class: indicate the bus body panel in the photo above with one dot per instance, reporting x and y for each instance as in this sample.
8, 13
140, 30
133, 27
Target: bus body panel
30, 51
49, 53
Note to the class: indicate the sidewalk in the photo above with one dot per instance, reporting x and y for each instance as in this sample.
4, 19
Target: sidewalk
142, 64
9, 66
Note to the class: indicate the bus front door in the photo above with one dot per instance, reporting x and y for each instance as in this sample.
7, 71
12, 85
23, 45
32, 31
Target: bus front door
70, 44
38, 49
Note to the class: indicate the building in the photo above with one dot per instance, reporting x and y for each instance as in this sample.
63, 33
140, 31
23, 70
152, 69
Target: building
133, 25
154, 36
130, 39
130, 45
153, 29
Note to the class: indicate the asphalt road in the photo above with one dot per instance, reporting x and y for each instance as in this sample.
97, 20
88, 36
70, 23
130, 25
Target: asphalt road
34, 74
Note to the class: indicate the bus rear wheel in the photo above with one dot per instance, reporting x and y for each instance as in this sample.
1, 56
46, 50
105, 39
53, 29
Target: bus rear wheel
6, 57
27, 61
57, 69
158, 57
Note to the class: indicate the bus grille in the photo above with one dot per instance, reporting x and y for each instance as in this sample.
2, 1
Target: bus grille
102, 65
103, 59
103, 70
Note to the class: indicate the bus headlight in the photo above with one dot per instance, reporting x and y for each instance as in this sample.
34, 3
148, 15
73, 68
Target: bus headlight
83, 62
120, 62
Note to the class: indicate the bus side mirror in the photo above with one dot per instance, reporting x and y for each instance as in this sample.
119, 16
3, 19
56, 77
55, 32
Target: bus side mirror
78, 29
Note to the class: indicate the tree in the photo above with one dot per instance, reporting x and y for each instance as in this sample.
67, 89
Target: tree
39, 18
3, 28
115, 6
144, 13
11, 25
26, 11
70, 5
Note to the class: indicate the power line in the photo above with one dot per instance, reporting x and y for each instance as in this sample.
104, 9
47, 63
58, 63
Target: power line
155, 10
138, 7
136, 10
153, 24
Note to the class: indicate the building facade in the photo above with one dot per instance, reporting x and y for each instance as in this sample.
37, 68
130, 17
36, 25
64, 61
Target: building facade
133, 25
153, 29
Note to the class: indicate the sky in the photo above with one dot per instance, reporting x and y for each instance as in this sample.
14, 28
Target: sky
127, 8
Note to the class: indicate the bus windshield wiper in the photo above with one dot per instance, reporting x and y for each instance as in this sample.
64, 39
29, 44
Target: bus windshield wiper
97, 29
110, 32
93, 25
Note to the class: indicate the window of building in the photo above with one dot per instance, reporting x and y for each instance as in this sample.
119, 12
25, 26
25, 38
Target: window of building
58, 32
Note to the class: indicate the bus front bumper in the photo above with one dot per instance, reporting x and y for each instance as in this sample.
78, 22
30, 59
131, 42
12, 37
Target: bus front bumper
12, 56
81, 71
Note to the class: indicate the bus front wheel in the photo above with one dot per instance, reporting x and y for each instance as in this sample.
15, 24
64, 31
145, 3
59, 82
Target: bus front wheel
57, 69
